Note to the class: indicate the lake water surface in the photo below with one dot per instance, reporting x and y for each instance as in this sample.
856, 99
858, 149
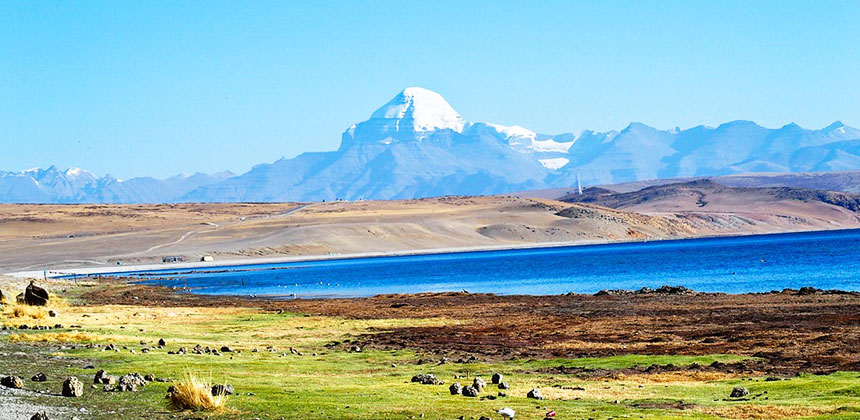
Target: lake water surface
827, 260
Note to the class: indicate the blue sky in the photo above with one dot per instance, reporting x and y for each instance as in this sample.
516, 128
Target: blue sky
157, 88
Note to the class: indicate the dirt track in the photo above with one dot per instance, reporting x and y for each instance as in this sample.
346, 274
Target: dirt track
791, 332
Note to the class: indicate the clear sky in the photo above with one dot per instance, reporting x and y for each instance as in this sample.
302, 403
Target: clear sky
158, 88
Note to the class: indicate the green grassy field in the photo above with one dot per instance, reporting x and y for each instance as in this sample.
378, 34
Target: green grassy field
337, 384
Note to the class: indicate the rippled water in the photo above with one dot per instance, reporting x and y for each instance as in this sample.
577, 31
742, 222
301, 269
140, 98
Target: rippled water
741, 264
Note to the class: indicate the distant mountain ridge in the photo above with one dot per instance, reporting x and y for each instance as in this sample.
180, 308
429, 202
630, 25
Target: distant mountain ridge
75, 185
417, 145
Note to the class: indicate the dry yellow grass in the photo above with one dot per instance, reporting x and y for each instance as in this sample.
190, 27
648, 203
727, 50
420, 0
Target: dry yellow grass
757, 411
25, 311
680, 376
15, 314
63, 337
192, 393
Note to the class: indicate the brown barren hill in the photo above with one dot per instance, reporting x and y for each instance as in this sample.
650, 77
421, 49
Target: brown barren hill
707, 203
54, 237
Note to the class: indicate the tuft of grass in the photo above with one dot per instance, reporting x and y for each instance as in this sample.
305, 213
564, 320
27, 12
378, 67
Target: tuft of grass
192, 393
26, 311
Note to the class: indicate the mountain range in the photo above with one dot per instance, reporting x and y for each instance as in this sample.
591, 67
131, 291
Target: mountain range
417, 145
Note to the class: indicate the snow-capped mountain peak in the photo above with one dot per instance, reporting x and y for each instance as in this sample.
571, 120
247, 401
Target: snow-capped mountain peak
514, 131
78, 172
420, 110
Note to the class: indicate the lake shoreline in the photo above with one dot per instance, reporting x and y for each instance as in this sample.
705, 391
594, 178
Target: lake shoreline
737, 264
96, 270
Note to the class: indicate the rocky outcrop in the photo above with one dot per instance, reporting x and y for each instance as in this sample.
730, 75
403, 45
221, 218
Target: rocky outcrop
72, 387
427, 379
35, 295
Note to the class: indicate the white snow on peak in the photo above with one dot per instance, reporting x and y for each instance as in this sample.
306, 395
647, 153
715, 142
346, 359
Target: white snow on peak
514, 131
74, 172
426, 109
551, 146
554, 163
517, 136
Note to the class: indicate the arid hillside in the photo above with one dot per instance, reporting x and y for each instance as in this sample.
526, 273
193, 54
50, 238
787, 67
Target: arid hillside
37, 237
704, 201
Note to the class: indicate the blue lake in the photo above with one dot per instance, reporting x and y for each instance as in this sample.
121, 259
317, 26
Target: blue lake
827, 260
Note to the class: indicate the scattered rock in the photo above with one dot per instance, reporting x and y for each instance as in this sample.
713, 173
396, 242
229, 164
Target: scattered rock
72, 387
39, 377
12, 382
222, 390
456, 388
427, 379
470, 392
161, 342
496, 379
53, 314
663, 290
103, 378
507, 413
40, 416
130, 382
35, 295
149, 378
226, 349
479, 384
355, 349
739, 391
504, 385
534, 394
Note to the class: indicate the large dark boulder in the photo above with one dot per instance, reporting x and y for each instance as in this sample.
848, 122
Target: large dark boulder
12, 382
469, 391
739, 391
456, 388
35, 295
72, 387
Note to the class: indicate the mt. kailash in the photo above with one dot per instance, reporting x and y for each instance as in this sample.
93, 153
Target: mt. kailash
417, 145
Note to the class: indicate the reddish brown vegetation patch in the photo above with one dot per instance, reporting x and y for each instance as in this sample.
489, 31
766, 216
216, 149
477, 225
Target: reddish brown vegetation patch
790, 331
